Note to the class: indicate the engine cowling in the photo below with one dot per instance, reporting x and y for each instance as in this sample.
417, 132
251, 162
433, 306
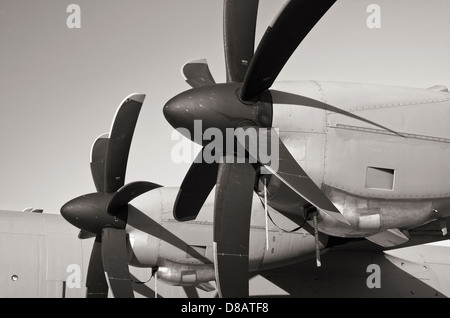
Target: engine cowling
178, 274
182, 252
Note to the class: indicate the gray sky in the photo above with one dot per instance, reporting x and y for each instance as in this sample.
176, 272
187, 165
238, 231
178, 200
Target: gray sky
60, 87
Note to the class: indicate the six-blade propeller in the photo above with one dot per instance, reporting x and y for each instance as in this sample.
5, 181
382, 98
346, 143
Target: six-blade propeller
243, 102
104, 214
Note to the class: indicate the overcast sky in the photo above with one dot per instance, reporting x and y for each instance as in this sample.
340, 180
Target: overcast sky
60, 87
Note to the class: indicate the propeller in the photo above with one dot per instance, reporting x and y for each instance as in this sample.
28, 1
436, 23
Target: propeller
232, 206
244, 101
239, 24
104, 214
280, 40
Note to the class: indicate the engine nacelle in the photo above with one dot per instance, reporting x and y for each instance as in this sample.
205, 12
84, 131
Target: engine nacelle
183, 252
178, 274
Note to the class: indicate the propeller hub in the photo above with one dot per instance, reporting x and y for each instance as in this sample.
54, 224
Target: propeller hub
217, 106
88, 212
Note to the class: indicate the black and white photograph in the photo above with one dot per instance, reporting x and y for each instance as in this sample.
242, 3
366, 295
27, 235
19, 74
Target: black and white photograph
236, 149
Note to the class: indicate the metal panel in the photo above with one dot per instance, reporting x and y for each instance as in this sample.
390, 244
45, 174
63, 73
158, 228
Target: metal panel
22, 223
422, 168
21, 258
62, 251
298, 106
404, 129
309, 151
63, 248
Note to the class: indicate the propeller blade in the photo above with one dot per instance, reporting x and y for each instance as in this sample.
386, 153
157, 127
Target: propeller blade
82, 235
239, 24
195, 188
283, 165
96, 285
115, 262
98, 155
232, 212
127, 193
119, 142
279, 42
197, 73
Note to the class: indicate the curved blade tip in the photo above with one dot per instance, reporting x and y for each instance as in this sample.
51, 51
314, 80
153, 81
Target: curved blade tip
198, 61
137, 97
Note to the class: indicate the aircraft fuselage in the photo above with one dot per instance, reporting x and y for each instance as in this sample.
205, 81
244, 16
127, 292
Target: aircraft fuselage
380, 153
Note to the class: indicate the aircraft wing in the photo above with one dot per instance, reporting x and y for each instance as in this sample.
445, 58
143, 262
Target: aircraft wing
427, 233
421, 271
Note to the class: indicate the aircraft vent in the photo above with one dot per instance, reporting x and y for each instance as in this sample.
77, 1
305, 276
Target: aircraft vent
380, 178
32, 210
439, 88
